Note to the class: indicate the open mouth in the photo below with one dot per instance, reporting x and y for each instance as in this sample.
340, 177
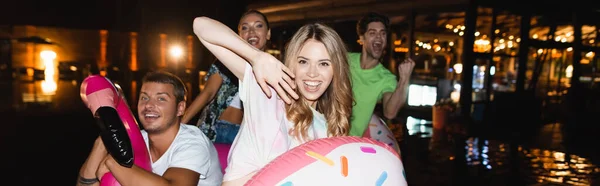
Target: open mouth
312, 86
253, 40
150, 116
378, 46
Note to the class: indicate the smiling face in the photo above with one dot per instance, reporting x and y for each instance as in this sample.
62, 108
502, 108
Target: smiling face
313, 70
158, 108
254, 30
374, 40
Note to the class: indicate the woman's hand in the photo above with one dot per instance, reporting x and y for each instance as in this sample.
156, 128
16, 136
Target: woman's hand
103, 168
268, 70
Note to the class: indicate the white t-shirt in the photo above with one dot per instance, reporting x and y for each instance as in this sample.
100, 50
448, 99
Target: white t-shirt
191, 150
236, 102
265, 130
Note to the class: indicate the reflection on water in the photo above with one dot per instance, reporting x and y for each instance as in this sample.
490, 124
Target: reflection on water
472, 154
489, 161
37, 95
51, 94
49, 82
419, 127
558, 167
489, 154
540, 166
48, 86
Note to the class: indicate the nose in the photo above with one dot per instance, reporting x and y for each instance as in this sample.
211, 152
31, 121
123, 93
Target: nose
149, 104
378, 36
312, 71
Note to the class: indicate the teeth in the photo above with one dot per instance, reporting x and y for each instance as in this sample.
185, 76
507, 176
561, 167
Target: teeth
312, 83
151, 115
252, 39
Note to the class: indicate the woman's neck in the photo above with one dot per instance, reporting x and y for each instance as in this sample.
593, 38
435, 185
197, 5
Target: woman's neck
312, 104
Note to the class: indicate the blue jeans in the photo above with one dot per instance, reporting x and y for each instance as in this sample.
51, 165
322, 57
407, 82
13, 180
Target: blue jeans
226, 131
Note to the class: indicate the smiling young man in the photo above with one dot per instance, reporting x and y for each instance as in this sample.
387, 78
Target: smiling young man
371, 81
180, 154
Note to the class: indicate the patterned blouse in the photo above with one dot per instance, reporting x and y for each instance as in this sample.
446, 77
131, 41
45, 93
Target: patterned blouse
222, 99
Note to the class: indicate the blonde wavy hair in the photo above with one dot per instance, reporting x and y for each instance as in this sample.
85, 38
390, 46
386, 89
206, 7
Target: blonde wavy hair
336, 101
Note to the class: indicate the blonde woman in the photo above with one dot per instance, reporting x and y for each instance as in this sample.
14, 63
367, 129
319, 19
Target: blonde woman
314, 83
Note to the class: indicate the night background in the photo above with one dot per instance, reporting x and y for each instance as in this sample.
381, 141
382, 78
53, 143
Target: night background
532, 116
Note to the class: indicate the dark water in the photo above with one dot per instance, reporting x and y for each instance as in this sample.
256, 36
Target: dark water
46, 136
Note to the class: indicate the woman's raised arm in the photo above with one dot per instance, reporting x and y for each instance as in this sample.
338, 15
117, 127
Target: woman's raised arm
234, 52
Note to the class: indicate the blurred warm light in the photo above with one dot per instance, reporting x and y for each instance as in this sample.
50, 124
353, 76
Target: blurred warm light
482, 45
48, 55
458, 68
30, 72
201, 75
455, 96
584, 61
400, 49
569, 71
176, 52
48, 84
274, 52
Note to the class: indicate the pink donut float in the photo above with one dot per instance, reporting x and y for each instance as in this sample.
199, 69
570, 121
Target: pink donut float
350, 161
118, 128
379, 131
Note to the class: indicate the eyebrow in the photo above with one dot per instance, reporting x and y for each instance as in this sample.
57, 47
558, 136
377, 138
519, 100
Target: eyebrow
372, 29
159, 93
254, 22
321, 60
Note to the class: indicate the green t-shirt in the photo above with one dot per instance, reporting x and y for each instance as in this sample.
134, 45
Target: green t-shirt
368, 86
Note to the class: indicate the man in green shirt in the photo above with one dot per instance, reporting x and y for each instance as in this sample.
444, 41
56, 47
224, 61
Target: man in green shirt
371, 81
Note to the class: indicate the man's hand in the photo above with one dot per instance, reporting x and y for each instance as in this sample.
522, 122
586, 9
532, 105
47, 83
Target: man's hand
405, 69
89, 169
268, 70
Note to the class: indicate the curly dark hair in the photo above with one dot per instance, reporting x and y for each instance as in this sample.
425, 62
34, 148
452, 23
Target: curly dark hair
363, 23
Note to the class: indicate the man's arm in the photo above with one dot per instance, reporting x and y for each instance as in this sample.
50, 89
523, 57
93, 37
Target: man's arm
138, 176
87, 172
394, 101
